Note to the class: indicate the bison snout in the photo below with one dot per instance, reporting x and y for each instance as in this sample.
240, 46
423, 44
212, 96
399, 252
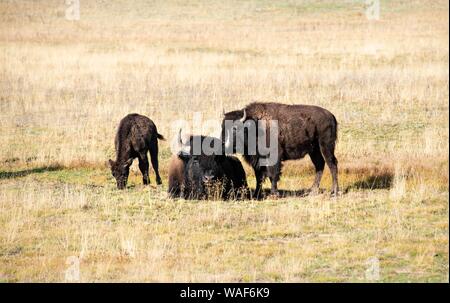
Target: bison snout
208, 178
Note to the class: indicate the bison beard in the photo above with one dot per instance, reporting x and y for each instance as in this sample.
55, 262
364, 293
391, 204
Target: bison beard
303, 129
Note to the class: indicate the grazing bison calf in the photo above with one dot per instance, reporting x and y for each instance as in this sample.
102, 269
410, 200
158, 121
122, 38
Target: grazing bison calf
302, 130
136, 136
214, 176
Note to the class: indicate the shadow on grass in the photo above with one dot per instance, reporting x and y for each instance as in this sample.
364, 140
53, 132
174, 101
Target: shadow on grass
378, 181
374, 181
283, 193
26, 172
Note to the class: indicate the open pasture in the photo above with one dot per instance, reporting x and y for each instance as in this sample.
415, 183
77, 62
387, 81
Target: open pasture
65, 85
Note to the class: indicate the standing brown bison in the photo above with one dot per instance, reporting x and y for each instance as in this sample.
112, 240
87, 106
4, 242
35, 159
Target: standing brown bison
136, 136
302, 129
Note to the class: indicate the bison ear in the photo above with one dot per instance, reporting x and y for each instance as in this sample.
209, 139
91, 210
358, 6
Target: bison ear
111, 163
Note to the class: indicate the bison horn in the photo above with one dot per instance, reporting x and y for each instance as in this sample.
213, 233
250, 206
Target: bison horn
179, 141
244, 116
182, 145
223, 111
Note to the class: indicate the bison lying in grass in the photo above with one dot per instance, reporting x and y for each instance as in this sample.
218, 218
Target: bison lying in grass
205, 176
135, 136
213, 177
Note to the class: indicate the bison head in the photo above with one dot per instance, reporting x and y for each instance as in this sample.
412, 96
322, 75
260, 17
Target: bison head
237, 129
202, 174
120, 171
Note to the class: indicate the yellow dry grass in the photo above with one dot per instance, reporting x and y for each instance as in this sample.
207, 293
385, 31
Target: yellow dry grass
64, 85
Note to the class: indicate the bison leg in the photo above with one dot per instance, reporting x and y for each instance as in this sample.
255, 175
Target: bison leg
143, 167
319, 164
154, 159
274, 187
274, 175
259, 175
328, 153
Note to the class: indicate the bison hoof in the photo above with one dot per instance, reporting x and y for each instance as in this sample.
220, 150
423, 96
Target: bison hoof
335, 194
274, 195
257, 195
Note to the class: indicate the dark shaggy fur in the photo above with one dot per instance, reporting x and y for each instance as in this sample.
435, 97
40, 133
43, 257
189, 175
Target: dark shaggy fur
176, 167
135, 136
214, 176
193, 176
303, 129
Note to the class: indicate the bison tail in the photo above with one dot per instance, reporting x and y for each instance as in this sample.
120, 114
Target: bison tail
335, 128
160, 137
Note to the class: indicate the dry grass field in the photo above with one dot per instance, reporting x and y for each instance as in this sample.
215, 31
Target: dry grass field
64, 86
